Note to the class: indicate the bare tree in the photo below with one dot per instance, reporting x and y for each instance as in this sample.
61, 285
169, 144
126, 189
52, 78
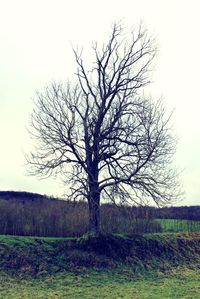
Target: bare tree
106, 138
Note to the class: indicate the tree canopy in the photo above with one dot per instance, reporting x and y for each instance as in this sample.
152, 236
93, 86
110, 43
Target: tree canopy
102, 134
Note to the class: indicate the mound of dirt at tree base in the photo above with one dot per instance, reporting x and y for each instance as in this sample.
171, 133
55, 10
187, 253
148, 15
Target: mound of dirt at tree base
31, 255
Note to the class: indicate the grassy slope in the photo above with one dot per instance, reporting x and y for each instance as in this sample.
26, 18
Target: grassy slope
111, 267
35, 256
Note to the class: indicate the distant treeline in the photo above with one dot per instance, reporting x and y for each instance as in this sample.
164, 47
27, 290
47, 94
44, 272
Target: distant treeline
182, 212
21, 195
24, 213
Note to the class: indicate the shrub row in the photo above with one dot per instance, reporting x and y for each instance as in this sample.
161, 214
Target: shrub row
58, 218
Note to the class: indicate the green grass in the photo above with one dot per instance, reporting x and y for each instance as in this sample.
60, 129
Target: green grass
90, 284
177, 225
30, 255
109, 267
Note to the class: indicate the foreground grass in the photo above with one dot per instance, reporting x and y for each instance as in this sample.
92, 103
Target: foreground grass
106, 267
90, 284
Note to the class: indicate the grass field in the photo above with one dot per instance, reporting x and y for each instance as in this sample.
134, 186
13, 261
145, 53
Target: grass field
90, 284
107, 267
177, 225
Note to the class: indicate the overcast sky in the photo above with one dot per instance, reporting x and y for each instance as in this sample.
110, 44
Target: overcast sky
35, 47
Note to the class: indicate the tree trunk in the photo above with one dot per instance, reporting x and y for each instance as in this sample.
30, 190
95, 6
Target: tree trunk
94, 214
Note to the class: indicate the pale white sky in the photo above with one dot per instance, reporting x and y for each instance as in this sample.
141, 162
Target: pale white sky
35, 47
